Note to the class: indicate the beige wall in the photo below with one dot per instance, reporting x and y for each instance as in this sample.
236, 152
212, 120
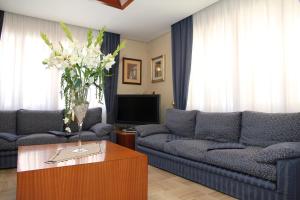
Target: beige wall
136, 50
145, 52
157, 47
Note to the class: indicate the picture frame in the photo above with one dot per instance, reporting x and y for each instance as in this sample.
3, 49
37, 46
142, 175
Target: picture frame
132, 71
158, 69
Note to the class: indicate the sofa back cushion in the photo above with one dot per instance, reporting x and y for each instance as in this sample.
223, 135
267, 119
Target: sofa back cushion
8, 121
93, 116
264, 129
36, 121
220, 127
181, 122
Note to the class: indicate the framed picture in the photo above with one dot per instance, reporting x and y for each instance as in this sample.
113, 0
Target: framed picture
132, 71
158, 69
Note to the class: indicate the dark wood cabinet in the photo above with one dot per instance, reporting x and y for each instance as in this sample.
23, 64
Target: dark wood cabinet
126, 139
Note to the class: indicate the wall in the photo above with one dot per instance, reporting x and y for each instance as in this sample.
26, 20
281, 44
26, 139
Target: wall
136, 50
145, 52
157, 47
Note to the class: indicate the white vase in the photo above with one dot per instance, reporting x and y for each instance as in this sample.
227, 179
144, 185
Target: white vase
80, 112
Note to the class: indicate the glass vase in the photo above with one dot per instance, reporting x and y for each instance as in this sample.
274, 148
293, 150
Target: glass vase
80, 112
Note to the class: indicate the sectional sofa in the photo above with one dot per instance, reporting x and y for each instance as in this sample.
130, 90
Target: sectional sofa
33, 127
248, 155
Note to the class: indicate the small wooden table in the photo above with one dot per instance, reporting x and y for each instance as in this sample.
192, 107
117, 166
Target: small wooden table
117, 174
126, 139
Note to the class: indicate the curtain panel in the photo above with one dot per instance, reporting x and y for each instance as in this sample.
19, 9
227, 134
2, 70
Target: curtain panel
246, 57
24, 80
1, 21
182, 41
110, 43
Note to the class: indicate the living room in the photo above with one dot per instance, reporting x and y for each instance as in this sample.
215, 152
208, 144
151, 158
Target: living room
158, 100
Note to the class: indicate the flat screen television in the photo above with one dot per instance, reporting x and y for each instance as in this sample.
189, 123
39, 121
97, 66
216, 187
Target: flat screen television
137, 109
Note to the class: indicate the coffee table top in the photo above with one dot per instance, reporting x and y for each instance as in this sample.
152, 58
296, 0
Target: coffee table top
34, 157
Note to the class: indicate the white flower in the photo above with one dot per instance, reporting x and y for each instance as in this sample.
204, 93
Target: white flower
66, 120
109, 64
91, 80
109, 60
68, 129
74, 59
84, 52
72, 73
65, 64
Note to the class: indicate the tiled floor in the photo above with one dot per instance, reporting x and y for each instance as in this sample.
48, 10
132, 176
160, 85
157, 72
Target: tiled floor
8, 181
162, 186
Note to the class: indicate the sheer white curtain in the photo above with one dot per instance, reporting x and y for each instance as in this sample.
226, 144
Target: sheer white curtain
24, 81
246, 56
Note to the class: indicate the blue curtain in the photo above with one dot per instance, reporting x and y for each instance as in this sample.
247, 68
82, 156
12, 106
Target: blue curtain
1, 21
110, 43
182, 41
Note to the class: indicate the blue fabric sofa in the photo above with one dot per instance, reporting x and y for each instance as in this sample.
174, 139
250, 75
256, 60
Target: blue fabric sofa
33, 127
247, 155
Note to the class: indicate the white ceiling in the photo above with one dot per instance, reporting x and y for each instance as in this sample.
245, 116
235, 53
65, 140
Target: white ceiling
143, 20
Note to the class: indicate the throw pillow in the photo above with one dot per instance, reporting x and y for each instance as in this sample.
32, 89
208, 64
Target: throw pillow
265, 129
181, 122
101, 129
280, 151
219, 127
151, 129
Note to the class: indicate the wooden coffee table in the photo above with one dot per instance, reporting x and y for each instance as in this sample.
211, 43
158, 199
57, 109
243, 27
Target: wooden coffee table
117, 174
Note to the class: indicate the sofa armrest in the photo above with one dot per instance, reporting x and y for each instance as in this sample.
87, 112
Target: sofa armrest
288, 178
113, 135
101, 129
151, 129
136, 141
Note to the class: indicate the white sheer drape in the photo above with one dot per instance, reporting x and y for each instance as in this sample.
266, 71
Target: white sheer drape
24, 81
246, 56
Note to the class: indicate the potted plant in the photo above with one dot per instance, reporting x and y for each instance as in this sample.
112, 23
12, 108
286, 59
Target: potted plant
82, 65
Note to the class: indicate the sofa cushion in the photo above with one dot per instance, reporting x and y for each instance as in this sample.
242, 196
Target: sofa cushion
156, 141
60, 133
11, 137
85, 136
40, 138
101, 129
264, 129
226, 146
280, 151
220, 127
73, 126
36, 121
181, 122
241, 160
172, 137
150, 129
8, 121
7, 145
93, 116
192, 149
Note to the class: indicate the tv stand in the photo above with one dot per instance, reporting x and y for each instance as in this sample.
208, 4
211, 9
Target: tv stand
126, 138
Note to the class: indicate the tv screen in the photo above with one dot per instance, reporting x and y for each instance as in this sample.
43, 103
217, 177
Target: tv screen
137, 109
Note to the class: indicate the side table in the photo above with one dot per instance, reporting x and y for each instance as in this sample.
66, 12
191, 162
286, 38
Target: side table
126, 139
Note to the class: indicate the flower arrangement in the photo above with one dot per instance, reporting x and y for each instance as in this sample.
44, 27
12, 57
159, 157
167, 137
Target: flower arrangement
82, 65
